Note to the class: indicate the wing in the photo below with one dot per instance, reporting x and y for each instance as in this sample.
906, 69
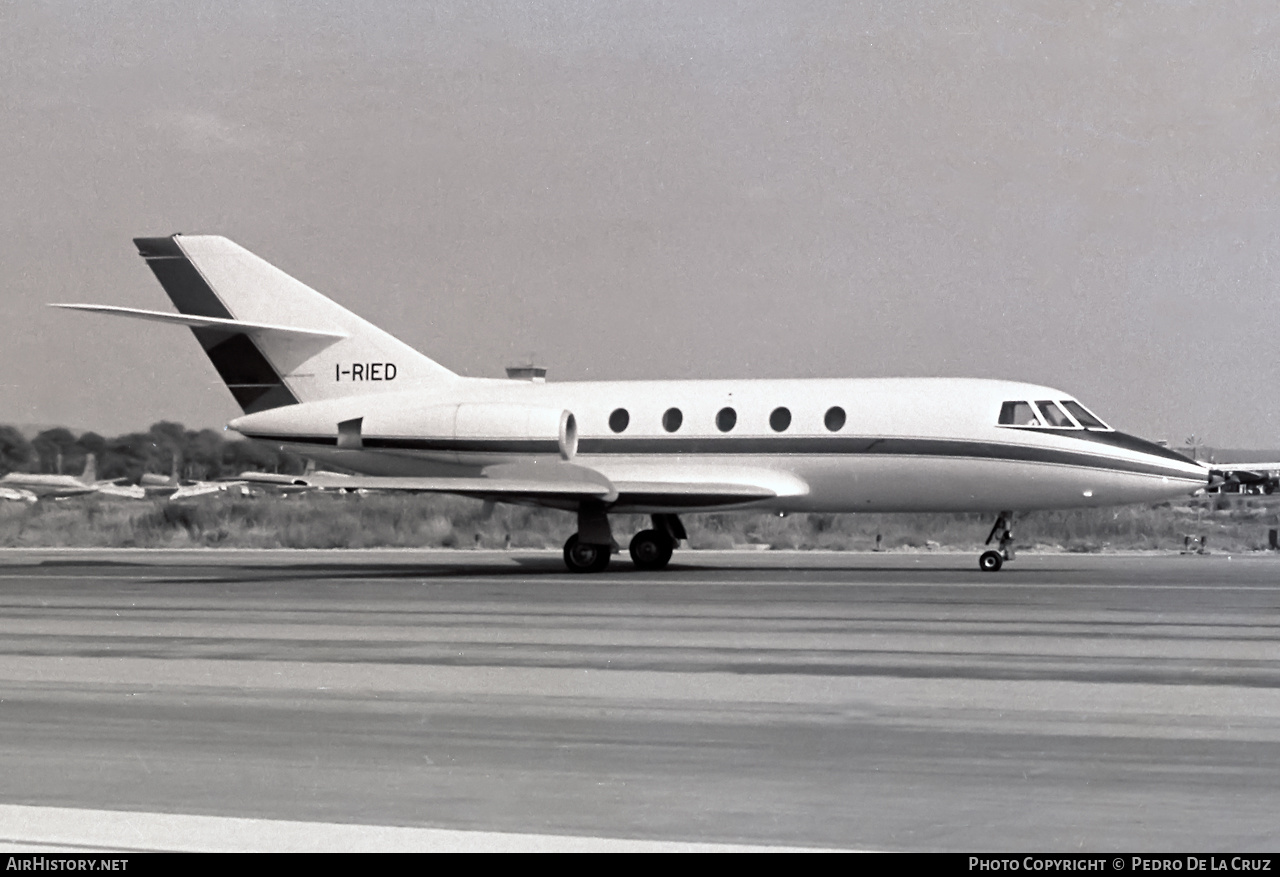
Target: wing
204, 488
690, 494
121, 491
566, 482
483, 487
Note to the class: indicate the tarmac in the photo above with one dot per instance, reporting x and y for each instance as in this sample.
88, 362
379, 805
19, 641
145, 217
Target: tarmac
437, 700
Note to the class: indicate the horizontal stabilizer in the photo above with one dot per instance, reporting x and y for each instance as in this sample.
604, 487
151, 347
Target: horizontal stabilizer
200, 322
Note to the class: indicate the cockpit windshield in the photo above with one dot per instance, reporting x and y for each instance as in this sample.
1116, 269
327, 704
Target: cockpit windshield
1018, 414
1050, 413
1053, 414
1084, 416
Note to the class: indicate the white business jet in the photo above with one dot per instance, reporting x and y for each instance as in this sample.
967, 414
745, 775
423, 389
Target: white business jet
29, 487
320, 381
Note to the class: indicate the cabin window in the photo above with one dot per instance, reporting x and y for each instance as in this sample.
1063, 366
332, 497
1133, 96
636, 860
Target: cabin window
619, 419
1053, 414
1084, 415
834, 418
725, 419
780, 419
1018, 414
672, 419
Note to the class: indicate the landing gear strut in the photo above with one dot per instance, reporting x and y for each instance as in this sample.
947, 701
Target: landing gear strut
991, 561
590, 549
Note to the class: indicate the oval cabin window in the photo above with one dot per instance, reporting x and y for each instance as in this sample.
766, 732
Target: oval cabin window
619, 419
725, 419
672, 419
780, 419
835, 418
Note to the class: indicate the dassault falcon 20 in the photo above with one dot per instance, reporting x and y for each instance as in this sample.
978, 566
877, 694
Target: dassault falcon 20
320, 381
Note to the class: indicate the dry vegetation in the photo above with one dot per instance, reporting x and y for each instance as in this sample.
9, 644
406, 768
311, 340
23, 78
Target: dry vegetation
350, 521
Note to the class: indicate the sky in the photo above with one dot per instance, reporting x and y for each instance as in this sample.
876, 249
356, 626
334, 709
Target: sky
1082, 194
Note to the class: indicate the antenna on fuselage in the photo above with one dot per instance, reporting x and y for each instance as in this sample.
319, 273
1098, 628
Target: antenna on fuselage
527, 371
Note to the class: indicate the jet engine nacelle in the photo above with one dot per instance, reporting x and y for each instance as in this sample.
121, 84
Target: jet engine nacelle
454, 431
496, 426
466, 429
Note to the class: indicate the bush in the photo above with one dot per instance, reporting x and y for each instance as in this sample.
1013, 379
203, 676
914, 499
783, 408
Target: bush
325, 520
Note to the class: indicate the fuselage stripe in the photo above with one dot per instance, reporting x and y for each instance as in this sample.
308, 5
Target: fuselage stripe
852, 446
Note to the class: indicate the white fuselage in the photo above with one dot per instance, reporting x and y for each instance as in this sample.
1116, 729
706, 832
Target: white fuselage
46, 485
903, 444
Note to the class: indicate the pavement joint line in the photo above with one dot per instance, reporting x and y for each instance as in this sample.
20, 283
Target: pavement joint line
715, 583
474, 555
79, 830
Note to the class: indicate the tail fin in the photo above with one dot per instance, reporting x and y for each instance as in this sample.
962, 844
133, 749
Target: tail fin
90, 474
274, 340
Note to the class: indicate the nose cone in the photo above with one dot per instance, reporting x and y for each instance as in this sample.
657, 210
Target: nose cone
1136, 470
1161, 459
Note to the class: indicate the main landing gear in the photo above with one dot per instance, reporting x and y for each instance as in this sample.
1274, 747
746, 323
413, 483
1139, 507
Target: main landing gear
585, 557
651, 549
590, 549
991, 561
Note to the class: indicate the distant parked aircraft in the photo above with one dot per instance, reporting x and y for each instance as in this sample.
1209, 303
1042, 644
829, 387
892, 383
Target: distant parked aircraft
318, 380
1246, 477
246, 483
29, 487
176, 488
193, 489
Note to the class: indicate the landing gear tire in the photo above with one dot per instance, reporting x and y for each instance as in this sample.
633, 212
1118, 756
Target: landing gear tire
584, 557
651, 549
1002, 535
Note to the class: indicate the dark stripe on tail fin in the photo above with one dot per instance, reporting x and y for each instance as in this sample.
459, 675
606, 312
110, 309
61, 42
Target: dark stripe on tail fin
187, 290
244, 370
251, 379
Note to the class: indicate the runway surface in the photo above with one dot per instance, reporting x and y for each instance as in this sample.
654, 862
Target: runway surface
867, 701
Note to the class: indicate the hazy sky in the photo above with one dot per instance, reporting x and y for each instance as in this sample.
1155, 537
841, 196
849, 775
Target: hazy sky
1080, 194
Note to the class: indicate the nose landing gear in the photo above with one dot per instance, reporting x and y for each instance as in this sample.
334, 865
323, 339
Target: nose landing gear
991, 561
